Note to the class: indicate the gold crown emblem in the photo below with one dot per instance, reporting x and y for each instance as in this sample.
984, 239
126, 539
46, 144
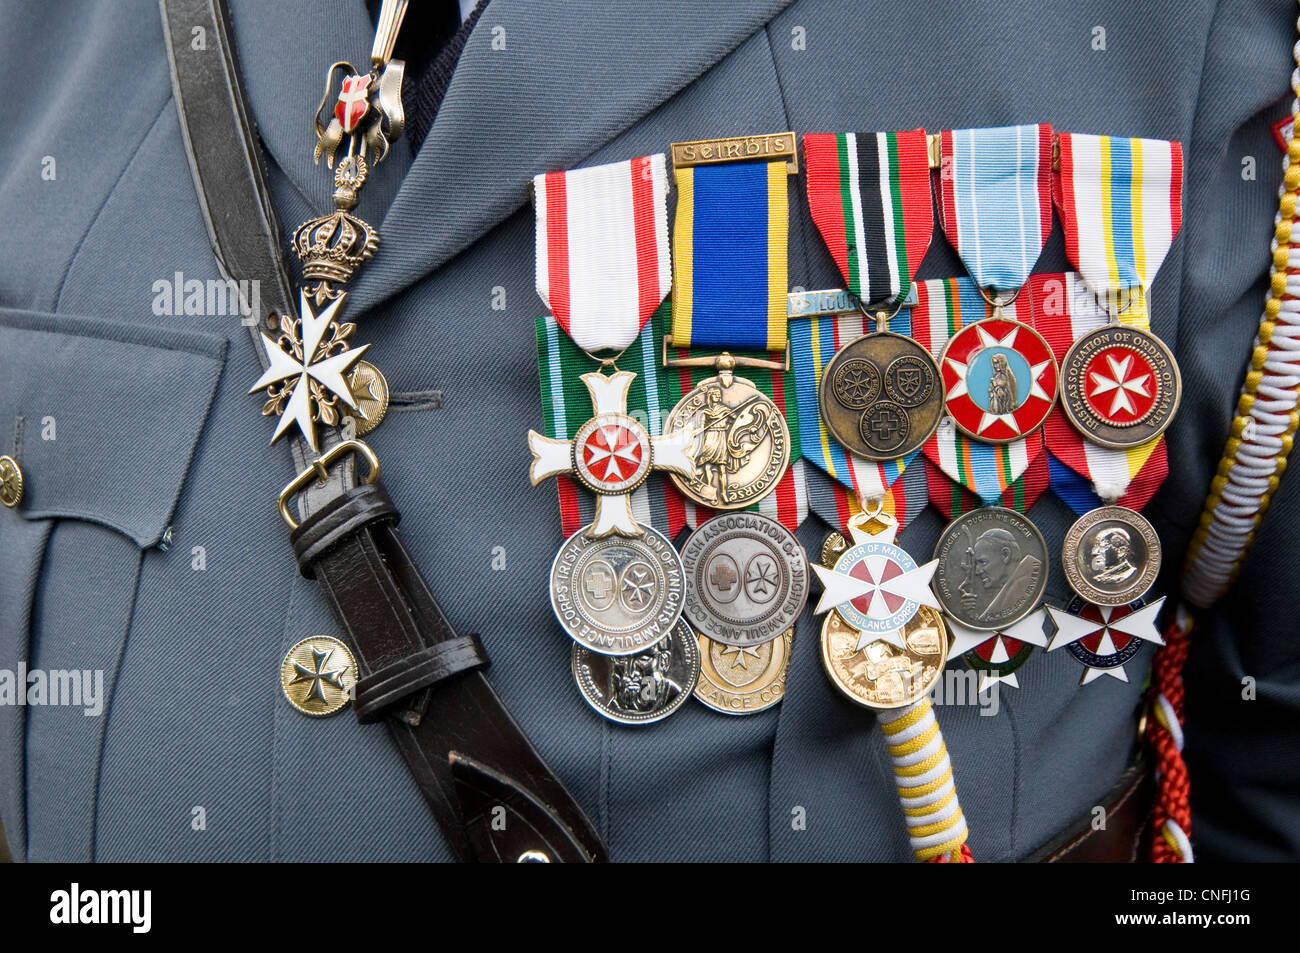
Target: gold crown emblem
333, 246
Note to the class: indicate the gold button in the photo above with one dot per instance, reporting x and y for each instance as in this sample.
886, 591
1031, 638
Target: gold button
318, 675
370, 390
11, 482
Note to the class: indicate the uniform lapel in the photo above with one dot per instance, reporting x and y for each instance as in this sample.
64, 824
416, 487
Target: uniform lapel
540, 86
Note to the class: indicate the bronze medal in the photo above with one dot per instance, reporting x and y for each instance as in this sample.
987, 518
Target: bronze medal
740, 439
1120, 386
880, 396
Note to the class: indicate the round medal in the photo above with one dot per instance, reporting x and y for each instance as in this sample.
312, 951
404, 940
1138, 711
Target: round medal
617, 595
746, 578
881, 675
643, 688
992, 568
880, 396
611, 454
741, 442
1120, 386
999, 379
743, 679
1111, 556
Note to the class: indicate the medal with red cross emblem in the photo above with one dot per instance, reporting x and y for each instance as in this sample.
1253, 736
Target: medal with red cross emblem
999, 379
1103, 638
875, 586
1120, 386
612, 454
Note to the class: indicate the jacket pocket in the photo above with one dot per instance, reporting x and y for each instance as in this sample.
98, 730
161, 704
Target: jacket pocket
103, 419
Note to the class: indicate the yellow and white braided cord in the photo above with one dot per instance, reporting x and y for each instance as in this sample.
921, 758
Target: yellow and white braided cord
1264, 429
926, 789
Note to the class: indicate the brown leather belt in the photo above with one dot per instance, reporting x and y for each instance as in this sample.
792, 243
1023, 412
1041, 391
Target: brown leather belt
1123, 839
468, 756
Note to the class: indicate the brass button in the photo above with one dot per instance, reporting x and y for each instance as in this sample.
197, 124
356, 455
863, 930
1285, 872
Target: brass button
11, 481
318, 675
370, 390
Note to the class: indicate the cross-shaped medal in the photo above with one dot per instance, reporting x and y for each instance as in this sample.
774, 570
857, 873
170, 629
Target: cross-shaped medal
612, 454
876, 586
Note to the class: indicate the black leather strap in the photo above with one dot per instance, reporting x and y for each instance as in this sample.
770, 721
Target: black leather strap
491, 793
382, 689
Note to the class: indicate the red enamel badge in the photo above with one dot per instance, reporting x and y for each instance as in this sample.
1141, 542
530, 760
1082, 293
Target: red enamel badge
352, 104
999, 379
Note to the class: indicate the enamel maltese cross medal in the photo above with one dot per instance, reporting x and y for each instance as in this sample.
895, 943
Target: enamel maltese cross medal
611, 454
875, 586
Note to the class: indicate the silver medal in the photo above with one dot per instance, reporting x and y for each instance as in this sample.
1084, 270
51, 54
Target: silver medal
992, 568
643, 688
617, 595
746, 578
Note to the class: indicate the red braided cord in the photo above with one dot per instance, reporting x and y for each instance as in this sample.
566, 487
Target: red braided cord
1173, 785
966, 857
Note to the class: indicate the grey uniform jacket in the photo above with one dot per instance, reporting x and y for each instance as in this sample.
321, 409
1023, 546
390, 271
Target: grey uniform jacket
132, 423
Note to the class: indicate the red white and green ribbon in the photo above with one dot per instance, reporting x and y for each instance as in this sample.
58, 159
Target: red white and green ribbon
566, 405
943, 307
813, 342
954, 500
603, 264
996, 200
1120, 202
869, 194
1065, 309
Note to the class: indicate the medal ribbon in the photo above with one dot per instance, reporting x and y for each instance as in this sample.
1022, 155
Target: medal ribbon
1120, 202
1066, 308
788, 502
954, 500
869, 194
603, 264
566, 406
1077, 492
944, 306
836, 505
730, 243
996, 200
813, 342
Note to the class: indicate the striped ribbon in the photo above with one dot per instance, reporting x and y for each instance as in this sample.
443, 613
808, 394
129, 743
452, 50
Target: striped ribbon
730, 248
1121, 203
602, 248
996, 199
1077, 492
789, 501
566, 406
870, 197
833, 502
943, 307
954, 500
813, 342
1065, 309
926, 789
